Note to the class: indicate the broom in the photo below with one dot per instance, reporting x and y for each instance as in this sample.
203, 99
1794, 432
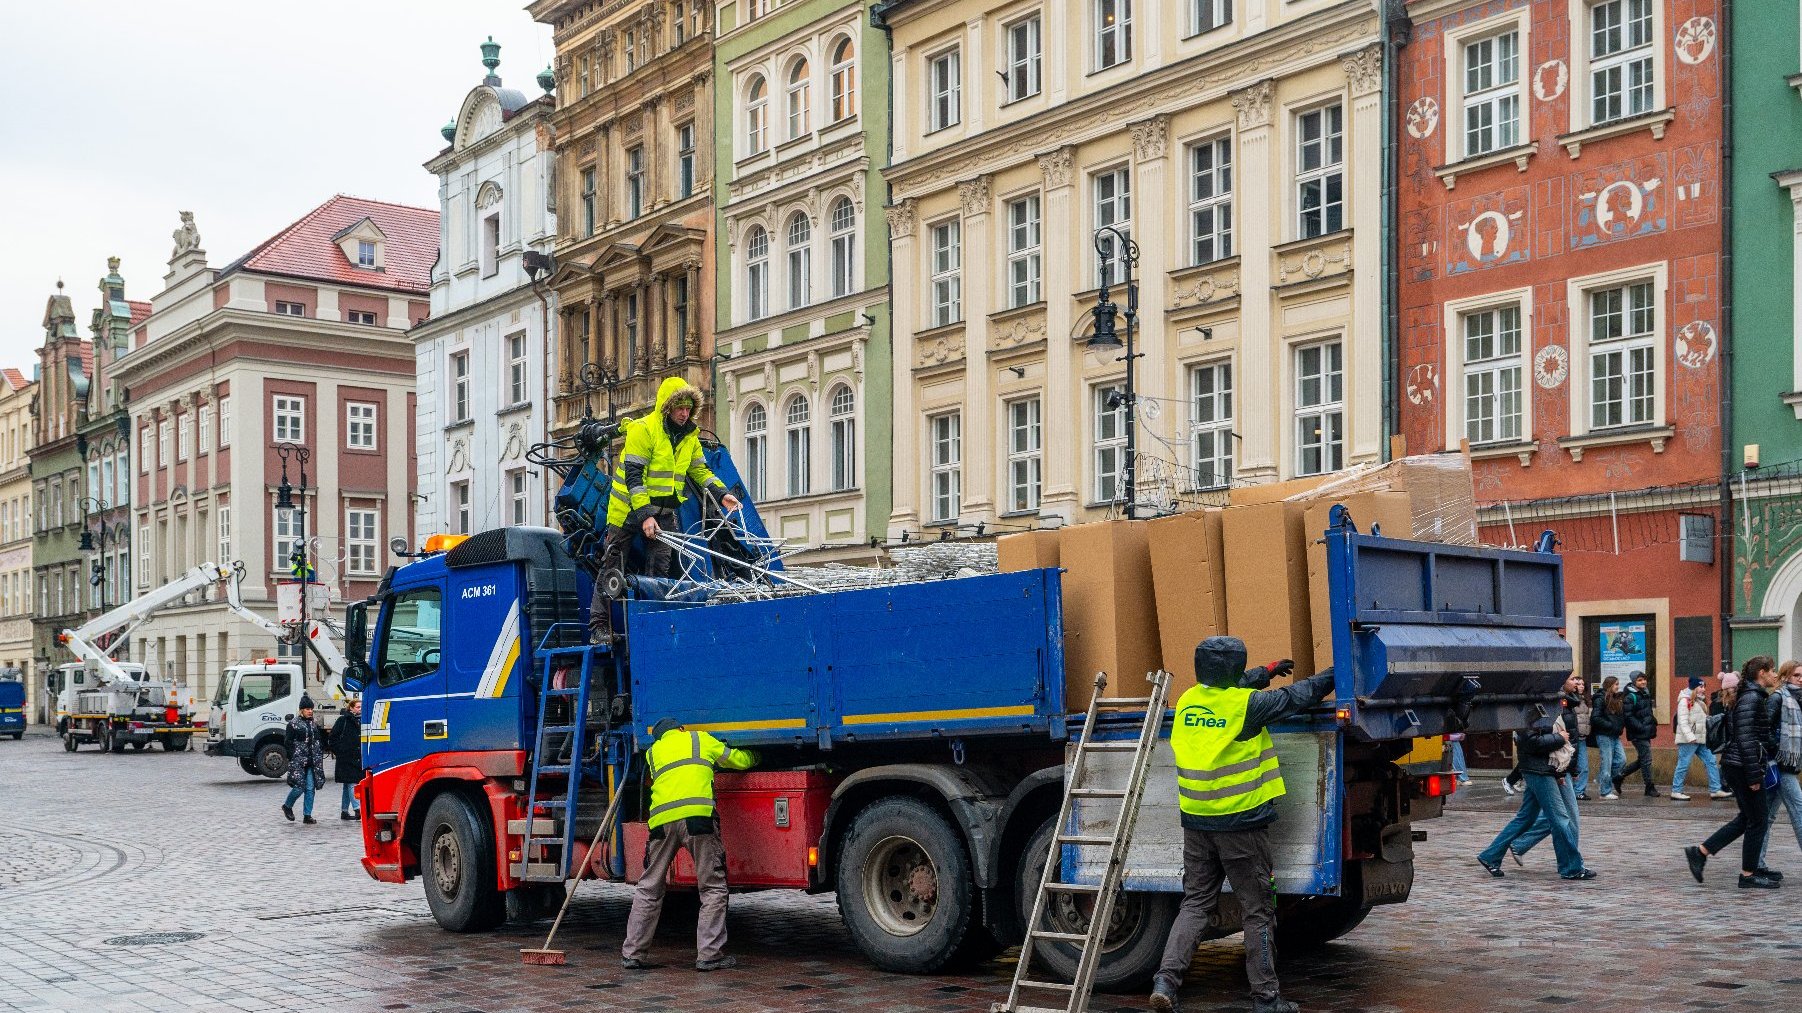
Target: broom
556, 958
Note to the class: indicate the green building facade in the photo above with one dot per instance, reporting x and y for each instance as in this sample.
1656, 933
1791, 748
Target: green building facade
57, 470
1765, 321
801, 100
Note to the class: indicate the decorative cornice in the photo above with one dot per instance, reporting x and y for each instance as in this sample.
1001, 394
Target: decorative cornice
1057, 166
1151, 137
1364, 70
1252, 105
974, 195
901, 218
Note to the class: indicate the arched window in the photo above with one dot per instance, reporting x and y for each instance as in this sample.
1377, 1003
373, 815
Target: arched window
799, 447
796, 99
757, 111
844, 247
757, 450
844, 80
800, 261
843, 414
757, 273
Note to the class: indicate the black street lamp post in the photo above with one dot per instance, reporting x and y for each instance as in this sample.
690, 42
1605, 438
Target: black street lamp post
286, 504
1111, 243
90, 545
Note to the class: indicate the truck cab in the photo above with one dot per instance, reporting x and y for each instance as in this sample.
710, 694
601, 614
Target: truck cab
250, 713
12, 704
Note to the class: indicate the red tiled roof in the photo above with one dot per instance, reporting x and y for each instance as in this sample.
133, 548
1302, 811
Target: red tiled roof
139, 310
306, 249
15, 379
87, 358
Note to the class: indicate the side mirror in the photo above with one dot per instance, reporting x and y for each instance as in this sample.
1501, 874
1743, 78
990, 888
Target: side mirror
356, 634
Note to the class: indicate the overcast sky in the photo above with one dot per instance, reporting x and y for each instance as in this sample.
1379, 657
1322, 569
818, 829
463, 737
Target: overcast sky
125, 112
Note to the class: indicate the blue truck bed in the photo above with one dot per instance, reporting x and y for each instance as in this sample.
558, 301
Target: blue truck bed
961, 658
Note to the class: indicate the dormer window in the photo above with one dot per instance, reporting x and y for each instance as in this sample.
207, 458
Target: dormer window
362, 244
365, 253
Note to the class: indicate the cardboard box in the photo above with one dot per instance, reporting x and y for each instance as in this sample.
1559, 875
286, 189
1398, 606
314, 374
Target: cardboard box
1028, 550
1270, 492
1188, 577
1444, 496
1267, 583
1110, 615
1393, 512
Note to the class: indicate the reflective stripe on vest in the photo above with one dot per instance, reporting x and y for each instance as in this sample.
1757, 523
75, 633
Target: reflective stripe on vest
682, 777
1218, 774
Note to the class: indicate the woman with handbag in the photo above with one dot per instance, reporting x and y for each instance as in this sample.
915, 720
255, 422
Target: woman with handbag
1544, 749
1747, 763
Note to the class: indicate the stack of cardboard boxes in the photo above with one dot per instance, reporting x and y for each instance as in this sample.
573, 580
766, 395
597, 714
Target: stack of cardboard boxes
1139, 595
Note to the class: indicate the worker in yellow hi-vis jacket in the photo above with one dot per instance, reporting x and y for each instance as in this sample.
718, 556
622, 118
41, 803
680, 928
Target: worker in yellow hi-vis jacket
682, 815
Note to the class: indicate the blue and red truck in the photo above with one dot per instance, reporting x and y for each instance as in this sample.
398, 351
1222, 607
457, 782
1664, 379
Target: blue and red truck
913, 735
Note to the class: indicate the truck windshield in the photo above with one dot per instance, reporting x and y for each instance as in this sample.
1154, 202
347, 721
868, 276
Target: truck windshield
224, 692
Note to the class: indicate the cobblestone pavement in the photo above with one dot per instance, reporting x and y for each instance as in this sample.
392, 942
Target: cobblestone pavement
96, 849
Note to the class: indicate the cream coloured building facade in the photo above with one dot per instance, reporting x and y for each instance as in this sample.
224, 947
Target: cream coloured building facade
16, 393
1239, 143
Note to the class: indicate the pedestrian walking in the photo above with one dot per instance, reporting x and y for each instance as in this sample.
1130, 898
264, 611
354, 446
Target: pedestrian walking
1456, 743
1544, 748
306, 760
1789, 755
1691, 726
1228, 780
347, 754
1576, 712
1608, 719
1564, 776
1641, 726
1751, 744
682, 817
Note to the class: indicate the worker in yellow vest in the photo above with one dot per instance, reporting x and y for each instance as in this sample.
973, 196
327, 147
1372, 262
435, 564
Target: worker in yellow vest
681, 765
1228, 781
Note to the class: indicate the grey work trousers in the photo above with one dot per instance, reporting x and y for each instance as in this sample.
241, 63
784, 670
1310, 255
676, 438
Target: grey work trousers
615, 547
647, 898
1241, 857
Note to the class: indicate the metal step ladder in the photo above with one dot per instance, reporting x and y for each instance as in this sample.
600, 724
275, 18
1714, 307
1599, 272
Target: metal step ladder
557, 834
1075, 994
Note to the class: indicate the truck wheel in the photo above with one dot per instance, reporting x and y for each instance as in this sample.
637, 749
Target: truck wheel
534, 901
457, 853
115, 741
69, 742
1137, 929
272, 759
1317, 922
174, 743
18, 735
904, 887
249, 766
138, 747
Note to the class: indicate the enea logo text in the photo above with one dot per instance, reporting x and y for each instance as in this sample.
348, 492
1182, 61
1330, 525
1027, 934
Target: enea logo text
1197, 716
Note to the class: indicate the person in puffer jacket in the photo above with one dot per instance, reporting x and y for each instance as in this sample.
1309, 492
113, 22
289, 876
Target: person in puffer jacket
1641, 725
1692, 741
1788, 700
1607, 718
1751, 741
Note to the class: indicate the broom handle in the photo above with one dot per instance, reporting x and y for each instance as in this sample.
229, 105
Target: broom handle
606, 821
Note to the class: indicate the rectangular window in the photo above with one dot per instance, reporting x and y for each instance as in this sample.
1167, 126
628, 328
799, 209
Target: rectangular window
588, 216
359, 426
1319, 408
162, 444
947, 465
1492, 94
225, 422
631, 48
1113, 33
143, 558
460, 504
1024, 55
290, 419
459, 363
1211, 424
1320, 171
1621, 65
516, 496
184, 437
629, 324
287, 540
516, 369
365, 253
1110, 442
1623, 365
145, 459
360, 541
947, 273
225, 533
1207, 15
944, 91
681, 299
1211, 201
366, 317
1492, 375
844, 248
104, 491
685, 159
844, 439
1023, 251
290, 309
1025, 455
1113, 191
634, 182
205, 432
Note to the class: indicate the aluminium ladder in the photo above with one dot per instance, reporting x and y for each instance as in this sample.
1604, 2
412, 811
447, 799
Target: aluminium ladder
1089, 942
557, 834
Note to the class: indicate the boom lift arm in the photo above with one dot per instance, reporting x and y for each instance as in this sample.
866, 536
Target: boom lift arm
127, 617
313, 633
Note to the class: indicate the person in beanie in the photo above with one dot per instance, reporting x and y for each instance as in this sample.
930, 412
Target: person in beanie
1228, 781
1641, 725
306, 760
347, 752
1692, 741
1752, 741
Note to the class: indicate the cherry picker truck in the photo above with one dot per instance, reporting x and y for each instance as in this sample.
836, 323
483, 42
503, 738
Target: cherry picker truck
914, 736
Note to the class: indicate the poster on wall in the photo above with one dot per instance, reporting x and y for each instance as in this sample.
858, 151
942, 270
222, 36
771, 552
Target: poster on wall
1623, 649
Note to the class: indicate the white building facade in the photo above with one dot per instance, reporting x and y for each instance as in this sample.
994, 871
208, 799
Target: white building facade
483, 360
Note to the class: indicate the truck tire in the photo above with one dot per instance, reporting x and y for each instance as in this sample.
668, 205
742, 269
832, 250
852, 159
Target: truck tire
138, 747
249, 766
457, 860
1135, 943
175, 743
272, 759
1312, 925
904, 887
114, 741
69, 742
534, 901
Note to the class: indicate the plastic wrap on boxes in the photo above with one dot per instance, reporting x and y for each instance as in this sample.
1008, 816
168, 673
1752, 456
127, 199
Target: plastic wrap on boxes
1439, 487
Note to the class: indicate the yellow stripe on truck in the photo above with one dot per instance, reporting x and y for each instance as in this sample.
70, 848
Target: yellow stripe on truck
500, 684
746, 726
900, 717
